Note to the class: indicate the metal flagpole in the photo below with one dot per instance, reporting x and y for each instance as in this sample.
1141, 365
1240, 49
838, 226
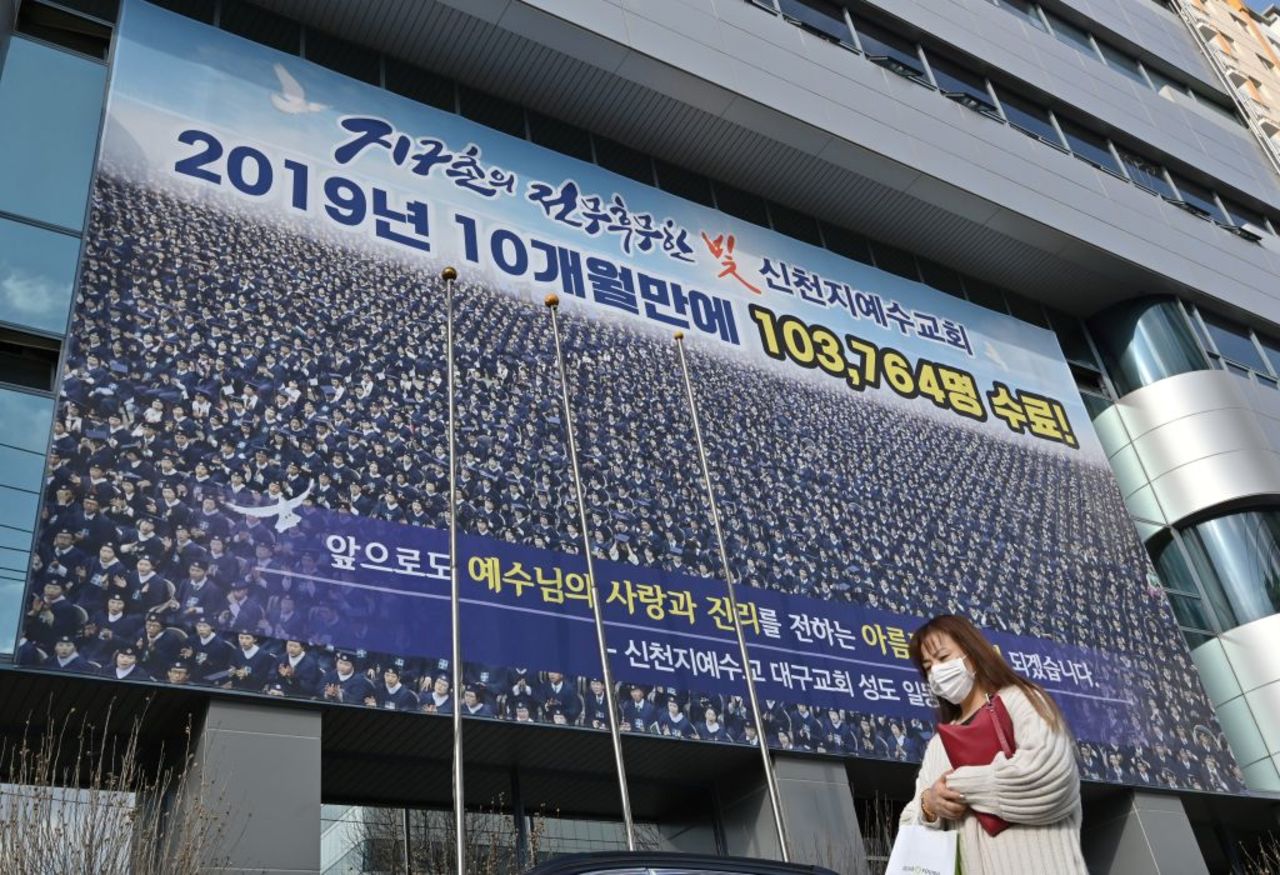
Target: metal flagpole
449, 275
770, 778
553, 304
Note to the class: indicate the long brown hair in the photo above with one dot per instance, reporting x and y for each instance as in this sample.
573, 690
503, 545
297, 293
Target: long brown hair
991, 671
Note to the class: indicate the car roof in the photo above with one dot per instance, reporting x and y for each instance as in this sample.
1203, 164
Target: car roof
671, 864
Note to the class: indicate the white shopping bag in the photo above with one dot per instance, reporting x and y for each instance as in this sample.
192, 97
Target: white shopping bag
919, 850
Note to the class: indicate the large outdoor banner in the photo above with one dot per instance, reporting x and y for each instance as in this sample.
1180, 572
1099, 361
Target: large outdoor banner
248, 480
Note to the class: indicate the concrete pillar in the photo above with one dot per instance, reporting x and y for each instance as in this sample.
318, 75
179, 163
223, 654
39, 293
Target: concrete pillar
1141, 833
817, 808
258, 766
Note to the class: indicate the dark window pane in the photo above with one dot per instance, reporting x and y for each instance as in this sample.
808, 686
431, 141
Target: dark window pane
1024, 9
37, 271
795, 224
953, 79
1071, 337
50, 105
1233, 341
347, 58
684, 183
985, 295
1272, 348
261, 26
880, 43
107, 10
494, 112
417, 84
632, 163
1172, 566
1118, 60
30, 365
944, 279
1147, 174
1028, 117
1026, 309
1076, 37
200, 10
62, 28
1094, 404
1199, 197
742, 204
895, 260
561, 136
844, 242
1190, 611
1239, 214
821, 16
1089, 146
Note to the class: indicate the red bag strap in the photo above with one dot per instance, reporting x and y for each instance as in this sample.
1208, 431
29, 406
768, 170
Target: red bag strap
995, 720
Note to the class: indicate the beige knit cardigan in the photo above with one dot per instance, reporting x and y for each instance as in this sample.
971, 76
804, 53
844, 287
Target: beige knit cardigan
1037, 790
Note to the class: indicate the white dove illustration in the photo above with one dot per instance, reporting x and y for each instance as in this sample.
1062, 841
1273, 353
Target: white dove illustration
284, 509
292, 99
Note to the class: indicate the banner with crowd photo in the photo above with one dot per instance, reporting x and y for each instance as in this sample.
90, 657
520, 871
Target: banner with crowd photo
249, 476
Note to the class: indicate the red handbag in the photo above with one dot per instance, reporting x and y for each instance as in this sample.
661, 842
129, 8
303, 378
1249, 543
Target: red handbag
976, 744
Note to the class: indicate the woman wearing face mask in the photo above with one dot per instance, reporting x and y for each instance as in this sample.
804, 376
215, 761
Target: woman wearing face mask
1037, 790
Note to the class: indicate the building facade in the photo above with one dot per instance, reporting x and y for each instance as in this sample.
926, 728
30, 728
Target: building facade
1104, 172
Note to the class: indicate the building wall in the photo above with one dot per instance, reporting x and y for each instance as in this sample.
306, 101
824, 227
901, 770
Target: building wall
738, 62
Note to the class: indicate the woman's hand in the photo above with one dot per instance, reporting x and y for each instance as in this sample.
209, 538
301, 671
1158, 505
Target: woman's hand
941, 801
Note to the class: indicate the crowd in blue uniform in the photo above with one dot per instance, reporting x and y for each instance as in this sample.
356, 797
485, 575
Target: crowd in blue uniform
220, 358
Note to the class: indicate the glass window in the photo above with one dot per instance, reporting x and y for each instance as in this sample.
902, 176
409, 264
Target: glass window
1071, 337
24, 433
563, 137
942, 278
66, 29
895, 260
795, 224
1024, 9
821, 16
347, 58
494, 112
51, 103
201, 10
1145, 340
1239, 214
1233, 341
955, 80
1238, 560
261, 26
419, 85
1198, 196
845, 242
1147, 174
985, 295
631, 163
742, 204
1089, 146
880, 43
1272, 348
684, 183
37, 271
1028, 117
1126, 64
1076, 37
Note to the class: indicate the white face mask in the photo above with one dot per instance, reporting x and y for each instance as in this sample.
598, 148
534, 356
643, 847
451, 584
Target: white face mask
950, 680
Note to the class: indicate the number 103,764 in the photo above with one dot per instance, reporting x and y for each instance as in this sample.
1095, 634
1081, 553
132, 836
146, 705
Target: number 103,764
861, 363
